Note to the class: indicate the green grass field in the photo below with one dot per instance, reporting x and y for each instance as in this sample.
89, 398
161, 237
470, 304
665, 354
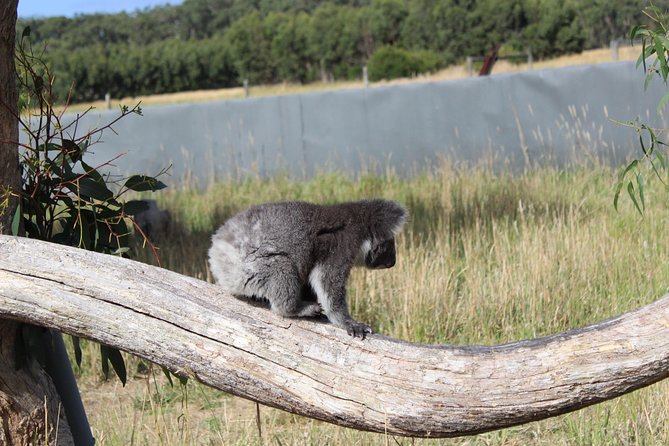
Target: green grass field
487, 257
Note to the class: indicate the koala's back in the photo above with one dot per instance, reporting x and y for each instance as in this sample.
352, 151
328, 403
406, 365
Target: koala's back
260, 240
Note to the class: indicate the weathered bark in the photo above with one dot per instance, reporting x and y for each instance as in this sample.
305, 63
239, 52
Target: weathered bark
9, 127
316, 370
29, 405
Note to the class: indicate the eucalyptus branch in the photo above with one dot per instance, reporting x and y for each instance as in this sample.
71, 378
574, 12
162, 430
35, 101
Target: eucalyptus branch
62, 198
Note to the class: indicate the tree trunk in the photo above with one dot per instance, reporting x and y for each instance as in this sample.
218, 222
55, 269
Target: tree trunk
317, 370
9, 134
29, 405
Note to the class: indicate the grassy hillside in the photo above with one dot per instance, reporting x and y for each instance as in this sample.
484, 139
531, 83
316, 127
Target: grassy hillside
487, 258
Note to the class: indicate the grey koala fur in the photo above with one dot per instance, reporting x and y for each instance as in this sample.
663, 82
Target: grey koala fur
288, 252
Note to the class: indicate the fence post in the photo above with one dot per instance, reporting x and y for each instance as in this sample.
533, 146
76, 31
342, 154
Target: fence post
614, 49
246, 88
470, 66
365, 76
530, 59
108, 101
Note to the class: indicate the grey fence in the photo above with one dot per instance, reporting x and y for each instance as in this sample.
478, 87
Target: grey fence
545, 116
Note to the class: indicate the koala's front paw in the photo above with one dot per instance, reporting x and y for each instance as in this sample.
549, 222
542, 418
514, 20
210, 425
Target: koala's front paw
358, 329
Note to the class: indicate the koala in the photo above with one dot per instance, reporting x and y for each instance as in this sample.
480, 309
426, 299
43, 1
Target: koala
298, 255
153, 221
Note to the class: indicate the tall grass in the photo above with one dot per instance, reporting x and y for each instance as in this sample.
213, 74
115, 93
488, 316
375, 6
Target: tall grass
487, 257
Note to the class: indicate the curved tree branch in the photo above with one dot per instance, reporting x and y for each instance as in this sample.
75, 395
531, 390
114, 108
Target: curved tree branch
313, 369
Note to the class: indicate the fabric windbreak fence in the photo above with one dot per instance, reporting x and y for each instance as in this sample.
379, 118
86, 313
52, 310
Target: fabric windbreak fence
555, 117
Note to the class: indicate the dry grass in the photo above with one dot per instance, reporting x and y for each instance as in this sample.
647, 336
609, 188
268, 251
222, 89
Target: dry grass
487, 258
450, 73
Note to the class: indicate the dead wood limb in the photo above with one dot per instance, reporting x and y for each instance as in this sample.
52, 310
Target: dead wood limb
313, 369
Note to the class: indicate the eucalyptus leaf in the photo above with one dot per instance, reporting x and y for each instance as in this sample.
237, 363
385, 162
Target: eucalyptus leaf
168, 375
16, 220
104, 358
89, 187
143, 183
92, 172
76, 345
117, 363
632, 195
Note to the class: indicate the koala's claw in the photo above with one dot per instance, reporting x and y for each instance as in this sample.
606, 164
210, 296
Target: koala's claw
358, 329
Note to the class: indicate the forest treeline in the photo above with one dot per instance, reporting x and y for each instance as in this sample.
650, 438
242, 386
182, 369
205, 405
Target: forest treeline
202, 44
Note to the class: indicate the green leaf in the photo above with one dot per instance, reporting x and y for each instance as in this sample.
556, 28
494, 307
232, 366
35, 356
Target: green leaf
84, 237
72, 149
632, 194
642, 56
76, 345
616, 195
118, 363
629, 167
640, 186
646, 83
16, 220
643, 146
168, 375
104, 357
183, 380
659, 50
663, 102
92, 172
31, 229
143, 183
661, 158
88, 187
62, 168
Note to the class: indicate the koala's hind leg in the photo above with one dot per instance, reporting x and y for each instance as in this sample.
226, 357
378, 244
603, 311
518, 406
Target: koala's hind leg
282, 288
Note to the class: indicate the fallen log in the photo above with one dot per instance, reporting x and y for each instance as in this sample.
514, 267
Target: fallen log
313, 369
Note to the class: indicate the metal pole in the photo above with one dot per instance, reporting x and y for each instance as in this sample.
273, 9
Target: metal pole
59, 368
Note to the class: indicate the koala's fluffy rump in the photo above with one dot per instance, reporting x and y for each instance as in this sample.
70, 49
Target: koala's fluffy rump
272, 251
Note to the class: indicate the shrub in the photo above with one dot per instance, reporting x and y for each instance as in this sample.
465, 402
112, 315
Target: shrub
389, 62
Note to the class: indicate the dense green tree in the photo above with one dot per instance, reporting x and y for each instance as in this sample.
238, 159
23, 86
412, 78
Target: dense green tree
553, 27
336, 41
419, 28
603, 20
250, 49
386, 20
213, 43
289, 46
